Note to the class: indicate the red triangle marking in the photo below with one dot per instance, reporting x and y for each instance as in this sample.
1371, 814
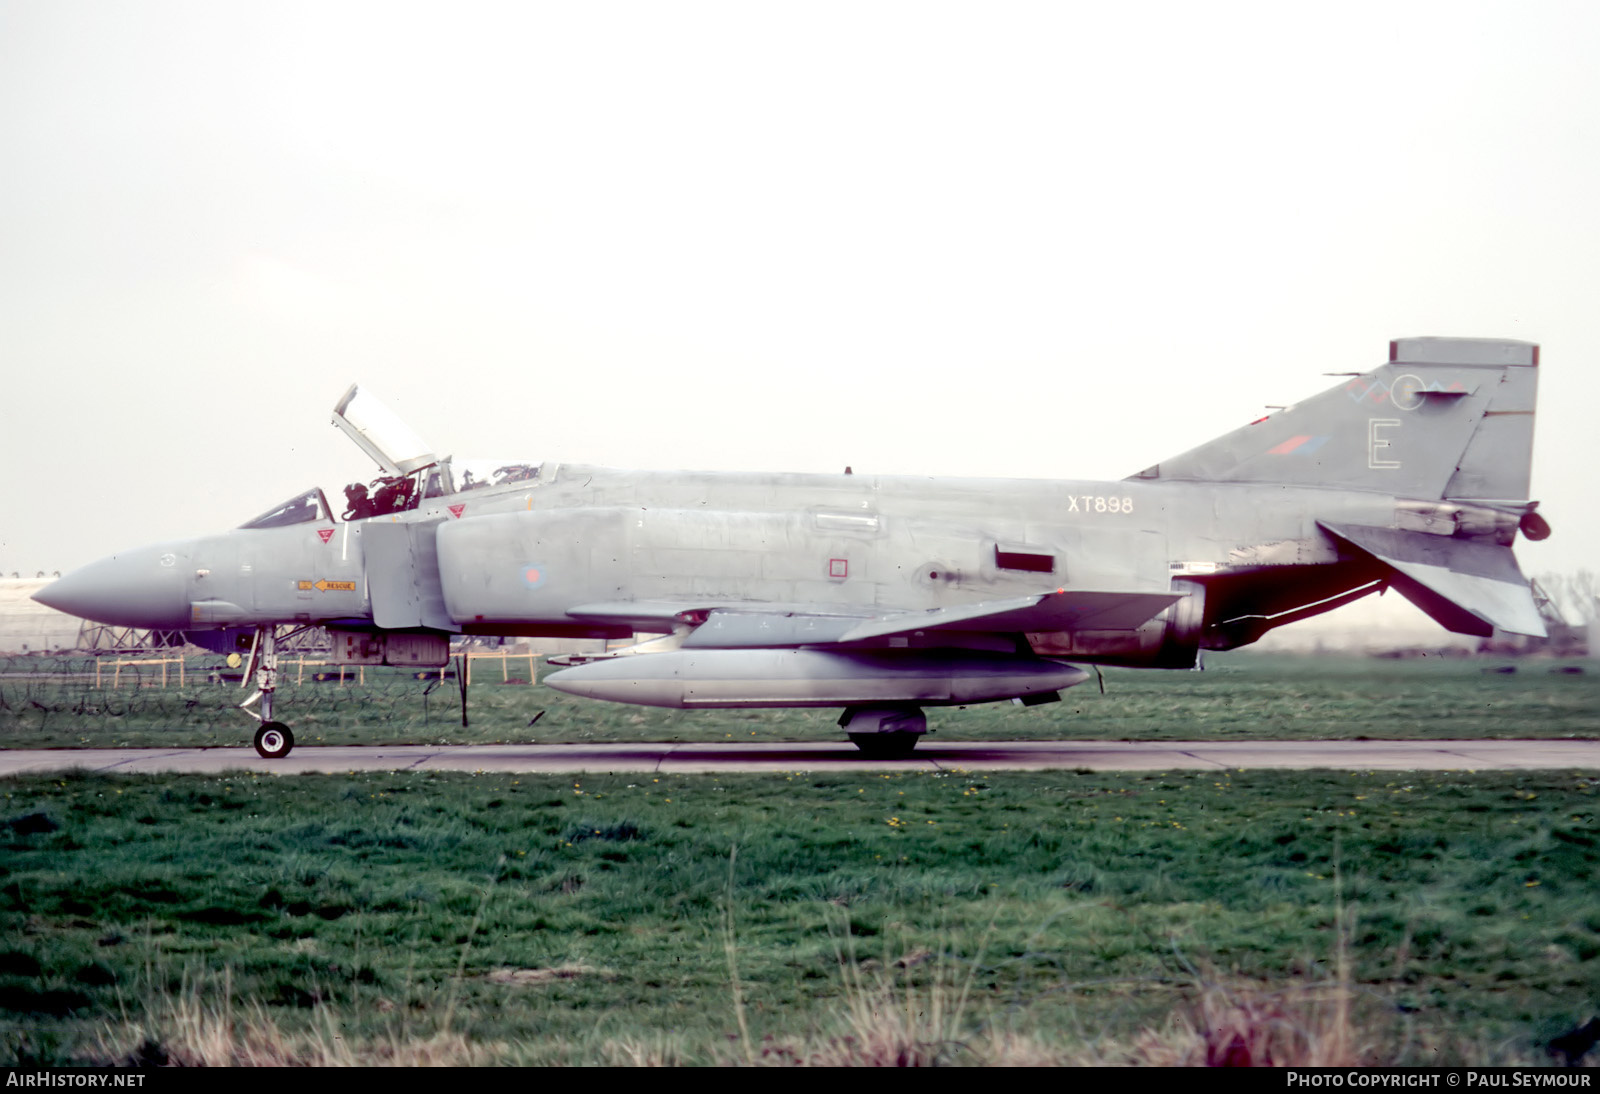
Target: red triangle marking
325, 534
455, 511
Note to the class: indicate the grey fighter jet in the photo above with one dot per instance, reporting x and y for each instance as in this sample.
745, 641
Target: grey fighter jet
882, 596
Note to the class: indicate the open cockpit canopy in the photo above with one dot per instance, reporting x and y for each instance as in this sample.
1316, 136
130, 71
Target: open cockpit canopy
411, 469
380, 433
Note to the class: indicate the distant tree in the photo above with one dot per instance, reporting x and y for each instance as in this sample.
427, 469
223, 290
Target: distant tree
1573, 595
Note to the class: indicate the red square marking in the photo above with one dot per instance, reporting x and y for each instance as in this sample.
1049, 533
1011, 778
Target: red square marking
838, 567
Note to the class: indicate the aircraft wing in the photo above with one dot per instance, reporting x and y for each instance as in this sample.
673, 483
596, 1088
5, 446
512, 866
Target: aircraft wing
645, 614
1062, 610
770, 626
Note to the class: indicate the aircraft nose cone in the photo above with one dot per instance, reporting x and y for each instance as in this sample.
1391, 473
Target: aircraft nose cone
143, 588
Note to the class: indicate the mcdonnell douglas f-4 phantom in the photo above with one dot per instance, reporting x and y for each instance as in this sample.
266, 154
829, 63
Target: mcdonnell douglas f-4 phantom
877, 595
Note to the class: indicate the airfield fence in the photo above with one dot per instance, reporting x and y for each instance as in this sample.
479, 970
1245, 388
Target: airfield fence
505, 657
56, 694
108, 671
119, 662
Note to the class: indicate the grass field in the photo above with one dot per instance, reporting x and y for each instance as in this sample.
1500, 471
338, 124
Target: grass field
1241, 696
1032, 917
802, 918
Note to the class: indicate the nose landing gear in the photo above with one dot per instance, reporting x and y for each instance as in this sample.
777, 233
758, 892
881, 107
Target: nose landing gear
273, 740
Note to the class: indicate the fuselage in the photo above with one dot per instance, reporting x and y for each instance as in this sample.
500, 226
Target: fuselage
520, 558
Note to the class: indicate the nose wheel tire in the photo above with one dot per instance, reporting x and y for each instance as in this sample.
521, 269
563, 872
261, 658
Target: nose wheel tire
273, 740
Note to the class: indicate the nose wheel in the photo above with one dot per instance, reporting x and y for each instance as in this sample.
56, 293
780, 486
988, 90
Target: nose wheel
273, 740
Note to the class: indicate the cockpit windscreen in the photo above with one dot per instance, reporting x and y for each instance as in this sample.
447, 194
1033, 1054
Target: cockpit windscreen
300, 509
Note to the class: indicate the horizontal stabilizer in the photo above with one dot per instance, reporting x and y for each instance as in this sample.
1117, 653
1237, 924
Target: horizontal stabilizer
1467, 586
1070, 610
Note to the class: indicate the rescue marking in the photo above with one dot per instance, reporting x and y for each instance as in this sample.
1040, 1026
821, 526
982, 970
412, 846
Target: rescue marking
838, 567
324, 586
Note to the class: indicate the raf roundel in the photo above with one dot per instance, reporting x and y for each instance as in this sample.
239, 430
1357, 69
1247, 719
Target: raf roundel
533, 575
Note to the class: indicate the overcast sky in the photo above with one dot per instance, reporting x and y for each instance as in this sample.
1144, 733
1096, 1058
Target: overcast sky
1042, 240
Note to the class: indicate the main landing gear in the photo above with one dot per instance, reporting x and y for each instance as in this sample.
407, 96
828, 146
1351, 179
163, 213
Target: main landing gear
273, 739
884, 733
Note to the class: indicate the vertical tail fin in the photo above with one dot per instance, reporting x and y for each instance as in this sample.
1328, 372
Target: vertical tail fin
1443, 418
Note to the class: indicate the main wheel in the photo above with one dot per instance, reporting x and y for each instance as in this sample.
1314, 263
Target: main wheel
273, 740
885, 746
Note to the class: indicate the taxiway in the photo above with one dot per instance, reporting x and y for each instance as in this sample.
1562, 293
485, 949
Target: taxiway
711, 757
